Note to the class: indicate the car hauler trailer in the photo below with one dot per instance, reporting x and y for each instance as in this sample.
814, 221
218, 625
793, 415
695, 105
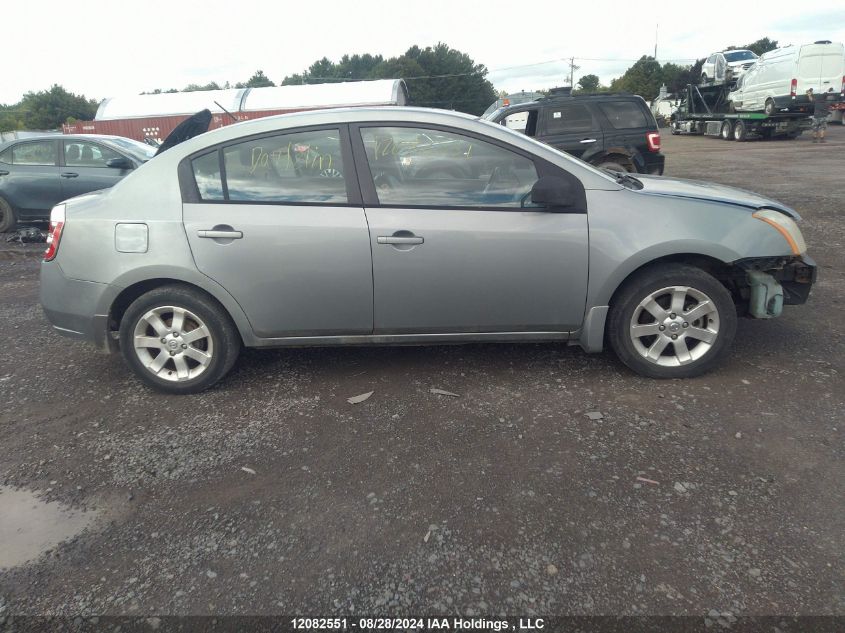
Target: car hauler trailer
706, 110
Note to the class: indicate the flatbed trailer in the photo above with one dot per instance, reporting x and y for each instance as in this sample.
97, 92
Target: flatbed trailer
706, 110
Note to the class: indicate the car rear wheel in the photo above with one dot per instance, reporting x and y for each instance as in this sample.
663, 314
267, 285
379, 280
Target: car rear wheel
672, 321
616, 166
769, 108
8, 219
178, 340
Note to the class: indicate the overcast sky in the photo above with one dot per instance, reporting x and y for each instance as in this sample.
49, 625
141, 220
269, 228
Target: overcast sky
107, 48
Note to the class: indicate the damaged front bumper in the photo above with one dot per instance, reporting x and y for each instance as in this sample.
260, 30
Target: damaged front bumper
772, 282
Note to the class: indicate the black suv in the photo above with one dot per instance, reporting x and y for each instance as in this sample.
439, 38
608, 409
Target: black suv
610, 130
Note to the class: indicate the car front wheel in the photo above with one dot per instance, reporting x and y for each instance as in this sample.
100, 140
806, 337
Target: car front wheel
672, 321
178, 340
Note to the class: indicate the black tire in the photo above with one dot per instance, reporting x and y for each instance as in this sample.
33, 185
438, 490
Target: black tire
727, 131
769, 108
651, 280
8, 218
703, 80
223, 341
616, 166
740, 131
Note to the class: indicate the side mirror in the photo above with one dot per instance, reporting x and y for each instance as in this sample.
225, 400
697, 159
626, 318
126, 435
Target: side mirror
120, 163
553, 192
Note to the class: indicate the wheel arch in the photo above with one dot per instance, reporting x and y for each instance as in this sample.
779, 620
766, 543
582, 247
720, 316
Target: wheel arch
721, 270
593, 333
619, 155
137, 287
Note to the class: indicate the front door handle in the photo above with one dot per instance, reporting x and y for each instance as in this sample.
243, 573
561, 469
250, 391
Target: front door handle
3, 172
392, 239
588, 140
69, 174
217, 235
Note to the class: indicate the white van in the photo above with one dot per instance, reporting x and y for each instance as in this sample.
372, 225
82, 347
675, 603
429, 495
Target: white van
779, 80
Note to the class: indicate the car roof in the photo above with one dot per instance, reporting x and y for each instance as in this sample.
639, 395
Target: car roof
598, 96
68, 137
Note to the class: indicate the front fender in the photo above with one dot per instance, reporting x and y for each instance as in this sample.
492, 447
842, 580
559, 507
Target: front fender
627, 231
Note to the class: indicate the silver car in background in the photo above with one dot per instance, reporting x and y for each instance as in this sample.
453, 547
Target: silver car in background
727, 66
388, 226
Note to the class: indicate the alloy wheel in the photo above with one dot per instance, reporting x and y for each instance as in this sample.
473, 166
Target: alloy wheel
173, 343
674, 326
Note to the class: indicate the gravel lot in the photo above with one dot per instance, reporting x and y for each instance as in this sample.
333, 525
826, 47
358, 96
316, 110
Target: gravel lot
505, 499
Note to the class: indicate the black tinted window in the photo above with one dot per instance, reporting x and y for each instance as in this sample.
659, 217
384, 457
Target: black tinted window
421, 167
624, 114
35, 153
294, 167
572, 117
207, 174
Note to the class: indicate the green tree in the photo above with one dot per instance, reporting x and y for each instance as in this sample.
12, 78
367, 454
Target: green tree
258, 80
763, 45
643, 78
438, 76
11, 118
212, 85
589, 83
48, 109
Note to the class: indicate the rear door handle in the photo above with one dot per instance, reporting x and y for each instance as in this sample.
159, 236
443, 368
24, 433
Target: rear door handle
3, 172
588, 140
227, 235
69, 174
391, 239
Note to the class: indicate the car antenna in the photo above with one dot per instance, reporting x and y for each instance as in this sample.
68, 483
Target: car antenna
234, 118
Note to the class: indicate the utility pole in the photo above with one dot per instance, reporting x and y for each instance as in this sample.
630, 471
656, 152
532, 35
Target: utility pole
656, 26
572, 69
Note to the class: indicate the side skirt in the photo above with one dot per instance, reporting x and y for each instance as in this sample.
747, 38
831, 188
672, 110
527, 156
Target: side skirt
415, 339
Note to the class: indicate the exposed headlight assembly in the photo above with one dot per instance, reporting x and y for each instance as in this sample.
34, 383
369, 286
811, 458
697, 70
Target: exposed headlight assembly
785, 226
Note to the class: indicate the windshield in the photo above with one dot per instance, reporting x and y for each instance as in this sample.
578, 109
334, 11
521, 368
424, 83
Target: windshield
141, 151
736, 56
492, 115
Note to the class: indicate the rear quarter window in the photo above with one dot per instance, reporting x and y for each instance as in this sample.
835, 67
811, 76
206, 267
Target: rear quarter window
6, 156
624, 115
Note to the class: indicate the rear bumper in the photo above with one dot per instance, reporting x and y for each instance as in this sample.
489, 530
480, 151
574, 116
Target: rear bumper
653, 163
76, 309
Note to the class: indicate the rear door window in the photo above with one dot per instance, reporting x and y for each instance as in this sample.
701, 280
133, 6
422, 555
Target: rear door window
35, 153
571, 117
624, 115
301, 167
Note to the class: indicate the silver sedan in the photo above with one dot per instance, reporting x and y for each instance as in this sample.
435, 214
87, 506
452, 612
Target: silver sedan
385, 226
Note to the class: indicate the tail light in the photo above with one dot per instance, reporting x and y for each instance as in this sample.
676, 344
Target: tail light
57, 222
653, 140
842, 91
793, 88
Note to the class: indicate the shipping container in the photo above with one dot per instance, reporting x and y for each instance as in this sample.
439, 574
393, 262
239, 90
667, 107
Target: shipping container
154, 116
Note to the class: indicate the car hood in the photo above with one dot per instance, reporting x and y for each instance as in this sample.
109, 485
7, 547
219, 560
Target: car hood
679, 188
